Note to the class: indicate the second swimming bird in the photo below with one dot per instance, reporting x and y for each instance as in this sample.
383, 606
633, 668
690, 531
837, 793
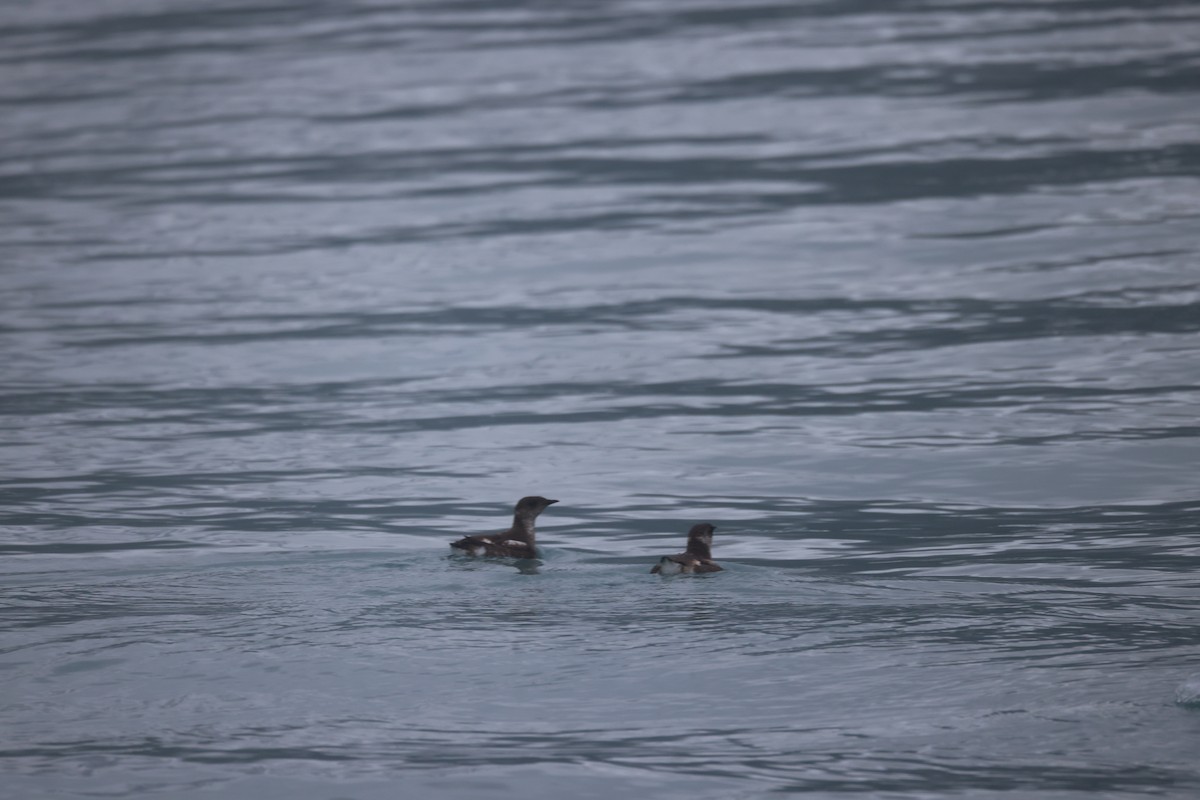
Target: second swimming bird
697, 557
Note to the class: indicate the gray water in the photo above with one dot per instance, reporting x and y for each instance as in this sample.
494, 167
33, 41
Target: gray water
903, 297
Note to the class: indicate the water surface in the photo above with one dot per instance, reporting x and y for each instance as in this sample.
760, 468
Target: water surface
903, 298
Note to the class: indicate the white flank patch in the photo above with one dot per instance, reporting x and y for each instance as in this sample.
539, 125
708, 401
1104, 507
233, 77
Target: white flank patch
668, 567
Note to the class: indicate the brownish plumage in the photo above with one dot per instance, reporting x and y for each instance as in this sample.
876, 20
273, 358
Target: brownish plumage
697, 557
516, 542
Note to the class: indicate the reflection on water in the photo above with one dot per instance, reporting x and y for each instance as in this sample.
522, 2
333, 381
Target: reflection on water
902, 299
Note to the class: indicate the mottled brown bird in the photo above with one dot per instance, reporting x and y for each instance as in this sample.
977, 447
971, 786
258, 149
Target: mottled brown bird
516, 542
697, 557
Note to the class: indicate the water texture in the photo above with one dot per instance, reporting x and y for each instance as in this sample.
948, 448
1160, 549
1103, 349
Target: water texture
903, 297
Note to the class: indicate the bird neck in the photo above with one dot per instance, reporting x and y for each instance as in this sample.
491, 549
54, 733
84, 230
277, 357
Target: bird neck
699, 549
522, 528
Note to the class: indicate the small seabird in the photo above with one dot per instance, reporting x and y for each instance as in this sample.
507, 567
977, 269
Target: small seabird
517, 541
697, 557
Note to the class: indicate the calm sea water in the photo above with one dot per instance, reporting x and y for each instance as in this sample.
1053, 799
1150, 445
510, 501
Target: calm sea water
903, 297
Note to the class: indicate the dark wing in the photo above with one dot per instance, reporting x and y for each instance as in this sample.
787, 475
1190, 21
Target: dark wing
513, 548
496, 545
469, 543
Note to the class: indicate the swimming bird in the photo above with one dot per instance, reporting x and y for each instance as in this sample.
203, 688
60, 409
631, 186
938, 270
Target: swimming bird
697, 557
517, 541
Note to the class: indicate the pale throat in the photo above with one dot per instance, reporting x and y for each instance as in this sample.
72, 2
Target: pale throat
522, 527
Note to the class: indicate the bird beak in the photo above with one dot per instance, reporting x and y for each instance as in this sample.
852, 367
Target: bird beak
551, 502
